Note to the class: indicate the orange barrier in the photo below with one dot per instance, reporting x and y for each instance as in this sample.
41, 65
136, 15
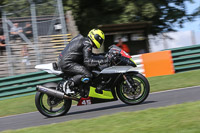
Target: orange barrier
158, 63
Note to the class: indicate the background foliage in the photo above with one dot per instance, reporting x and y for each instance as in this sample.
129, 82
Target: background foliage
164, 14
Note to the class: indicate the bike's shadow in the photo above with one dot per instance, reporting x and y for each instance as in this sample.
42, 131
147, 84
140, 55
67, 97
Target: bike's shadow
118, 106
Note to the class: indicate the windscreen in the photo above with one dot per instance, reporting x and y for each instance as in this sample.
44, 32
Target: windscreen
114, 48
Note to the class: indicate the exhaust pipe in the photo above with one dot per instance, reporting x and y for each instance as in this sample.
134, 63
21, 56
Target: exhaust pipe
54, 93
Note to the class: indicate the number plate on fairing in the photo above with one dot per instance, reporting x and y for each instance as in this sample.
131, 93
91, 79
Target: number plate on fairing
84, 101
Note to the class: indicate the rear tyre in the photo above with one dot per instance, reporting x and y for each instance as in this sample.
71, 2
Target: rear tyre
51, 106
140, 92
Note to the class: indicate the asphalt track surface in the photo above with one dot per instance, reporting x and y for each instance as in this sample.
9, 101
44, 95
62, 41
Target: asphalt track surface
155, 100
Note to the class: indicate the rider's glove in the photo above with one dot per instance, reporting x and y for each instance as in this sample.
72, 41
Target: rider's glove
113, 57
116, 53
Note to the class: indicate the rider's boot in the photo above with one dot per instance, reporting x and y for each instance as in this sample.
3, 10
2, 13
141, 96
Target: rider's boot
99, 89
68, 86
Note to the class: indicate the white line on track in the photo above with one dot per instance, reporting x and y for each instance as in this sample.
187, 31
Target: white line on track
174, 90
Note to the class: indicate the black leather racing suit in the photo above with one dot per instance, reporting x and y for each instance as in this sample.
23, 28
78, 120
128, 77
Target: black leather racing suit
76, 59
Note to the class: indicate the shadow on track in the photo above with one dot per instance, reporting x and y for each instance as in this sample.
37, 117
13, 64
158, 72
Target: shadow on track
108, 107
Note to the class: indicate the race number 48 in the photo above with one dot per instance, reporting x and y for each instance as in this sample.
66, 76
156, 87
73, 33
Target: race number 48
86, 102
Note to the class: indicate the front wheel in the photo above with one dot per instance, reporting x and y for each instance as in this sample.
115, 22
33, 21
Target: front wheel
138, 93
51, 106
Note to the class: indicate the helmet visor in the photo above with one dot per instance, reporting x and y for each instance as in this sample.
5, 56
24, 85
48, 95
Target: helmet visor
99, 39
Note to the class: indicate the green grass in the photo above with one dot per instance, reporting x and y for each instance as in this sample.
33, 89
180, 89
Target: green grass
179, 80
17, 105
182, 118
26, 104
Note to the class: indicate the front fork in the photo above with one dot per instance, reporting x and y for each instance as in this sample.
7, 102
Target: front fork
130, 85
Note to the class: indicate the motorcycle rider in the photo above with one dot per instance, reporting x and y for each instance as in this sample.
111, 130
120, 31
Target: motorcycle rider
76, 59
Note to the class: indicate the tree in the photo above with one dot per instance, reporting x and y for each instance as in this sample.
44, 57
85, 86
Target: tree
15, 8
164, 14
196, 12
21, 8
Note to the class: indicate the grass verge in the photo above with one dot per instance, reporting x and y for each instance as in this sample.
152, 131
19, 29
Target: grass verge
179, 80
26, 104
182, 118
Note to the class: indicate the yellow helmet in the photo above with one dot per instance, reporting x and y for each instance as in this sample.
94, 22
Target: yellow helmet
97, 37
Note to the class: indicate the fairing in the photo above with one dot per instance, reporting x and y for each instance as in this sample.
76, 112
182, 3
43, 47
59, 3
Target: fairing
105, 95
48, 68
117, 69
125, 59
123, 53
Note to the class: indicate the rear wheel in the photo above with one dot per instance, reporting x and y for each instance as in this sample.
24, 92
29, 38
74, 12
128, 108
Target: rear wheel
139, 92
51, 106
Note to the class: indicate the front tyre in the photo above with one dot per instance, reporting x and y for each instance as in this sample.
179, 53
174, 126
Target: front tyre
51, 106
136, 95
